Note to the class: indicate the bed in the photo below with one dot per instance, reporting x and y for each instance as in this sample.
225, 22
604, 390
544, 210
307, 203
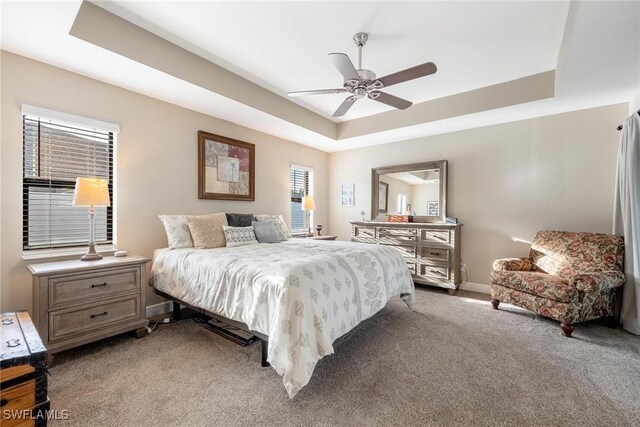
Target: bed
300, 294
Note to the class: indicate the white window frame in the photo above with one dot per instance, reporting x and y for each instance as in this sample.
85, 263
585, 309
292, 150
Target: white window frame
74, 120
311, 172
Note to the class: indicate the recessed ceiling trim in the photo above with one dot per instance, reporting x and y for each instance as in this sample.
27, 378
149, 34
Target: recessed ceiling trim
108, 31
527, 89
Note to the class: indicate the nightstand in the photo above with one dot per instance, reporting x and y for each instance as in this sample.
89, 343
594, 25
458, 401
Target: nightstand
77, 302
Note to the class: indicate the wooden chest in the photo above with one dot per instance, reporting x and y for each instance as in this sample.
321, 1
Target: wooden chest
23, 372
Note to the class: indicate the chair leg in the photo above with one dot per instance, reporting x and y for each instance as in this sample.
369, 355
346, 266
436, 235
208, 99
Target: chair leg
567, 329
495, 303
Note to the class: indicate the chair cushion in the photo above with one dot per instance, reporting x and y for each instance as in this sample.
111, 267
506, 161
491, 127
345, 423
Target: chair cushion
539, 284
565, 254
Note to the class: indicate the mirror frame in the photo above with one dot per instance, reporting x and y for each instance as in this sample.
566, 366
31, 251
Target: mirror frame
441, 165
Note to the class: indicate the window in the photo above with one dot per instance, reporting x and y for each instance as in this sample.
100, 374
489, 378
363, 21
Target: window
301, 185
55, 153
402, 202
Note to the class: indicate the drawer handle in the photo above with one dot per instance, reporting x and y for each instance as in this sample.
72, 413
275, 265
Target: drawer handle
3, 402
434, 253
99, 285
13, 343
104, 313
7, 321
437, 272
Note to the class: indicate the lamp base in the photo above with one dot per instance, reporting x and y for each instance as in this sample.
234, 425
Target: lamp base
92, 255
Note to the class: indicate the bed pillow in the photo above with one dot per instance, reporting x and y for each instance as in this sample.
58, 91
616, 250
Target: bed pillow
239, 220
278, 224
206, 230
178, 234
265, 232
239, 236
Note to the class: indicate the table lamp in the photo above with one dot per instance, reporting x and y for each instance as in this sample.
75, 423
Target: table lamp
308, 204
91, 192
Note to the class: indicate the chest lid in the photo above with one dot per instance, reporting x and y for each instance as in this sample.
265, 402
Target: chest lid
20, 342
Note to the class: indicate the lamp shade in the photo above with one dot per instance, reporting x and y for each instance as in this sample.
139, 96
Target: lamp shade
91, 192
308, 203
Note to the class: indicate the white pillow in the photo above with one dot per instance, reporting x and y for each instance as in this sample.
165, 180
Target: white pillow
239, 236
178, 234
278, 224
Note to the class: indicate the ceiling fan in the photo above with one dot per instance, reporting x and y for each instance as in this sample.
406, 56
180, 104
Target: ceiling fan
362, 83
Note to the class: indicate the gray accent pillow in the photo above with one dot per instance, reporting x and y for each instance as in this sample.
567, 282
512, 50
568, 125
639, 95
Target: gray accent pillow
240, 220
239, 236
278, 224
265, 232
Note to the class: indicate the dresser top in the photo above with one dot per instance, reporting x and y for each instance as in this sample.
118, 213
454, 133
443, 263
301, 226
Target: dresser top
47, 268
406, 224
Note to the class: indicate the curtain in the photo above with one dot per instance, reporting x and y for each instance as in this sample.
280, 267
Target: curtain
626, 219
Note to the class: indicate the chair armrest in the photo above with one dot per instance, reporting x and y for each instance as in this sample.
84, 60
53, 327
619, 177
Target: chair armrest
513, 264
597, 281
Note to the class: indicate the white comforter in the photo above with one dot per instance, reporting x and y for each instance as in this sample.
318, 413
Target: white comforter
303, 294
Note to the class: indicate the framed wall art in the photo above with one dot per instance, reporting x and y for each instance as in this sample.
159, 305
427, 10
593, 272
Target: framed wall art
226, 168
433, 208
347, 194
383, 197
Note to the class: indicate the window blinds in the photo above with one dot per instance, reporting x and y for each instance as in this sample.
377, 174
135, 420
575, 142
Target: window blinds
299, 188
55, 153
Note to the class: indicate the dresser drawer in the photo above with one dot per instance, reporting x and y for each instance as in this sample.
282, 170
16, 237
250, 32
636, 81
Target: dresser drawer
434, 272
435, 255
89, 286
436, 236
78, 320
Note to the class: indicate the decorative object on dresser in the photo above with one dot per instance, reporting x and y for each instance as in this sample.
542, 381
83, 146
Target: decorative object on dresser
77, 302
226, 168
308, 205
91, 192
432, 251
23, 372
570, 277
319, 228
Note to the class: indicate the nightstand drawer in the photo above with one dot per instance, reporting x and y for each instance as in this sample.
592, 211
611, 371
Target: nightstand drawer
87, 318
89, 286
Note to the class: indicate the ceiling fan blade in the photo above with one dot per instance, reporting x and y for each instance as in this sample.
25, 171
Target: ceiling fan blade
344, 65
316, 92
394, 101
344, 107
409, 74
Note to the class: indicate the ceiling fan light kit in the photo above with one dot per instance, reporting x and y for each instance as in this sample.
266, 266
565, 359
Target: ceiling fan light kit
361, 83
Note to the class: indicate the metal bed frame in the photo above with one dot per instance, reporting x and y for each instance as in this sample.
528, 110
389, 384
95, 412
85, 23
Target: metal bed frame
176, 303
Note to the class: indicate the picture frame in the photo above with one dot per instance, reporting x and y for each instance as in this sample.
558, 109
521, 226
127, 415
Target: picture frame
383, 197
347, 194
226, 168
433, 208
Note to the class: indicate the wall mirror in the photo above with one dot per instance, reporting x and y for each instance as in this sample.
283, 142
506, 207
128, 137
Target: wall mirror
417, 189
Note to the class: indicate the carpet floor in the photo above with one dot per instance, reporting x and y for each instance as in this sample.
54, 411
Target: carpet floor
452, 361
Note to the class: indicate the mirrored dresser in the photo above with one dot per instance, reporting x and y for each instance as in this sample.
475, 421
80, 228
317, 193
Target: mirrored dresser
431, 250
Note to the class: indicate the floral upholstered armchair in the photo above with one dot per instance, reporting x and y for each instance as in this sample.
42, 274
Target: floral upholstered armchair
569, 277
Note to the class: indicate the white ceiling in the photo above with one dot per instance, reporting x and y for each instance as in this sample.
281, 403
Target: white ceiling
283, 47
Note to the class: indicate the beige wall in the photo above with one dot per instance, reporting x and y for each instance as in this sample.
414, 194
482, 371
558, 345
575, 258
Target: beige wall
395, 186
156, 162
505, 181
423, 193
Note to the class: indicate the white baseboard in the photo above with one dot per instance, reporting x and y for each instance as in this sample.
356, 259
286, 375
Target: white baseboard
476, 287
158, 309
